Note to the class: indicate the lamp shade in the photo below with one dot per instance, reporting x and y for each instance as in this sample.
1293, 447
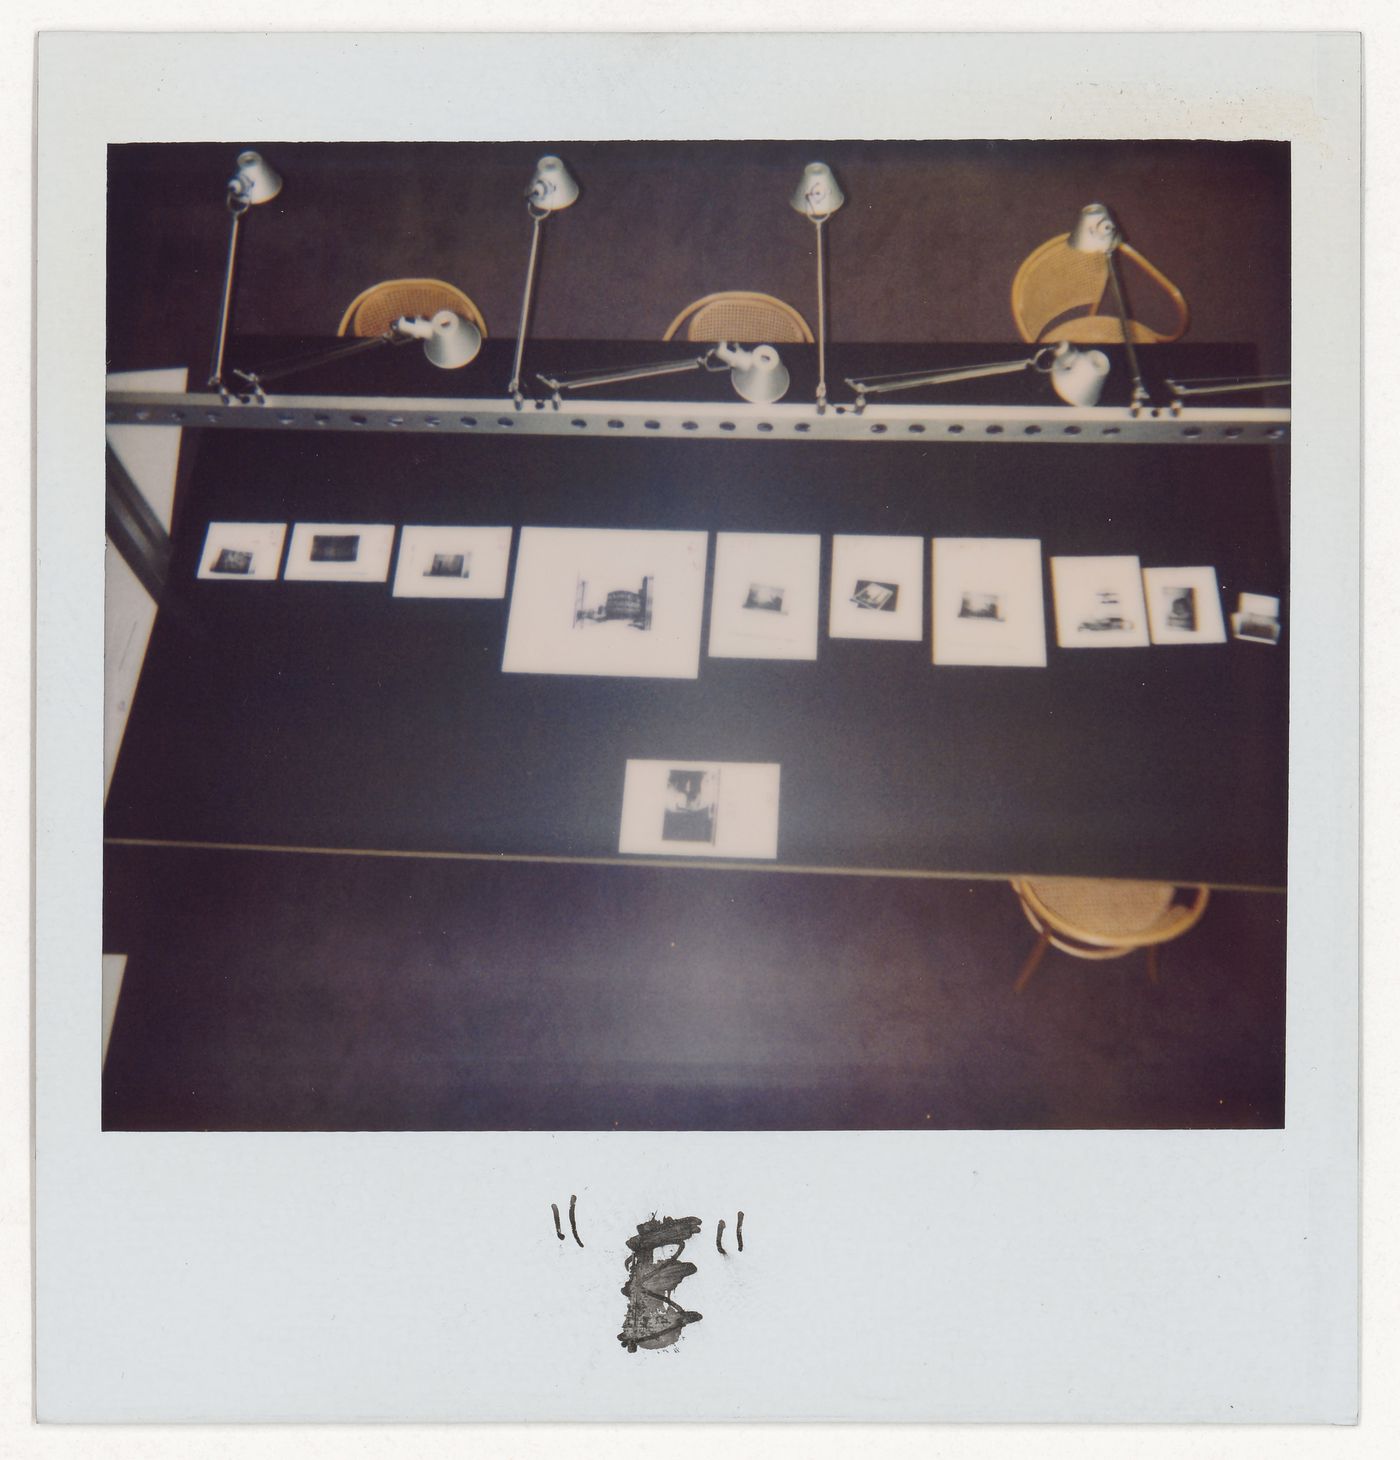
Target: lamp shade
758, 374
449, 341
254, 182
551, 188
1078, 375
818, 194
1095, 231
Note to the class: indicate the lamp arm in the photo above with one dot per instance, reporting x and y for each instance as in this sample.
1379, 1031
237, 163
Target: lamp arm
237, 208
583, 379
294, 364
1141, 396
514, 386
883, 384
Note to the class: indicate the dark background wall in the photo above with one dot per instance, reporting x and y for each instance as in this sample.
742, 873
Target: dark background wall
924, 250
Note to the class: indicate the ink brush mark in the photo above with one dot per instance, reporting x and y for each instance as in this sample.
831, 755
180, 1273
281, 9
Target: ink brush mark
573, 1224
738, 1232
573, 1220
654, 1319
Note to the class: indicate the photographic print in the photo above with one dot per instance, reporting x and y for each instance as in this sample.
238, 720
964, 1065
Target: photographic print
877, 588
342, 552
1099, 603
629, 607
604, 601
1183, 606
692, 801
687, 808
242, 551
988, 601
452, 562
1256, 618
764, 604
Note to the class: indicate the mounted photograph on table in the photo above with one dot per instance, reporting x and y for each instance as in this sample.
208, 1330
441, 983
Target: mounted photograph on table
452, 562
877, 587
247, 551
340, 552
988, 601
694, 809
1099, 603
1183, 605
764, 601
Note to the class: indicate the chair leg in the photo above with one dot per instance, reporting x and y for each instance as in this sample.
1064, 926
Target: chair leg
1152, 963
1032, 963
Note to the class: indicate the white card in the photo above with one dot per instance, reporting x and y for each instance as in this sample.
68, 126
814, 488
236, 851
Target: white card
988, 601
452, 562
242, 552
341, 552
1099, 603
1183, 606
604, 601
764, 603
697, 808
877, 588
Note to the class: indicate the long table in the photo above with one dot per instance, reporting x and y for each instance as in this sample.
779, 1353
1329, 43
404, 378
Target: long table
334, 715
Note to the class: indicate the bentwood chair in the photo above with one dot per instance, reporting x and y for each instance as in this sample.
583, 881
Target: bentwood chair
1102, 918
1058, 294
373, 311
743, 318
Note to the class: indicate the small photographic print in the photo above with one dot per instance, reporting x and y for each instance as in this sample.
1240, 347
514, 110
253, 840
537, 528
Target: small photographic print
692, 804
233, 560
1108, 617
631, 607
449, 565
452, 562
876, 597
1099, 601
346, 552
981, 606
242, 551
339, 547
988, 602
1181, 608
765, 597
1252, 626
877, 587
682, 808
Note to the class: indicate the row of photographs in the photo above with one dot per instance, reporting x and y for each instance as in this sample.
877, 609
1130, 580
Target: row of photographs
599, 601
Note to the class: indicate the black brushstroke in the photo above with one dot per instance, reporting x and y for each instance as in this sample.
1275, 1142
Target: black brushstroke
653, 1320
558, 1230
719, 1238
573, 1224
739, 1229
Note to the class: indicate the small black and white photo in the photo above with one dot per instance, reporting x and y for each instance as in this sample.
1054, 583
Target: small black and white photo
766, 598
873, 597
1108, 616
449, 565
1253, 626
692, 805
631, 607
1181, 607
233, 560
978, 605
452, 562
242, 551
877, 587
345, 552
335, 547
686, 808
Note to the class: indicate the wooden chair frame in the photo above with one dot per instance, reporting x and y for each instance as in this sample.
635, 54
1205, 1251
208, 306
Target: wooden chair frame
1093, 328
1056, 931
454, 299
743, 297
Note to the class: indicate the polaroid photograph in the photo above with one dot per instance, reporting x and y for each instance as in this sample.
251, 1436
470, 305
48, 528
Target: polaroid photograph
1257, 619
342, 552
1183, 606
687, 808
242, 552
877, 588
600, 601
452, 562
1099, 603
988, 601
764, 603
